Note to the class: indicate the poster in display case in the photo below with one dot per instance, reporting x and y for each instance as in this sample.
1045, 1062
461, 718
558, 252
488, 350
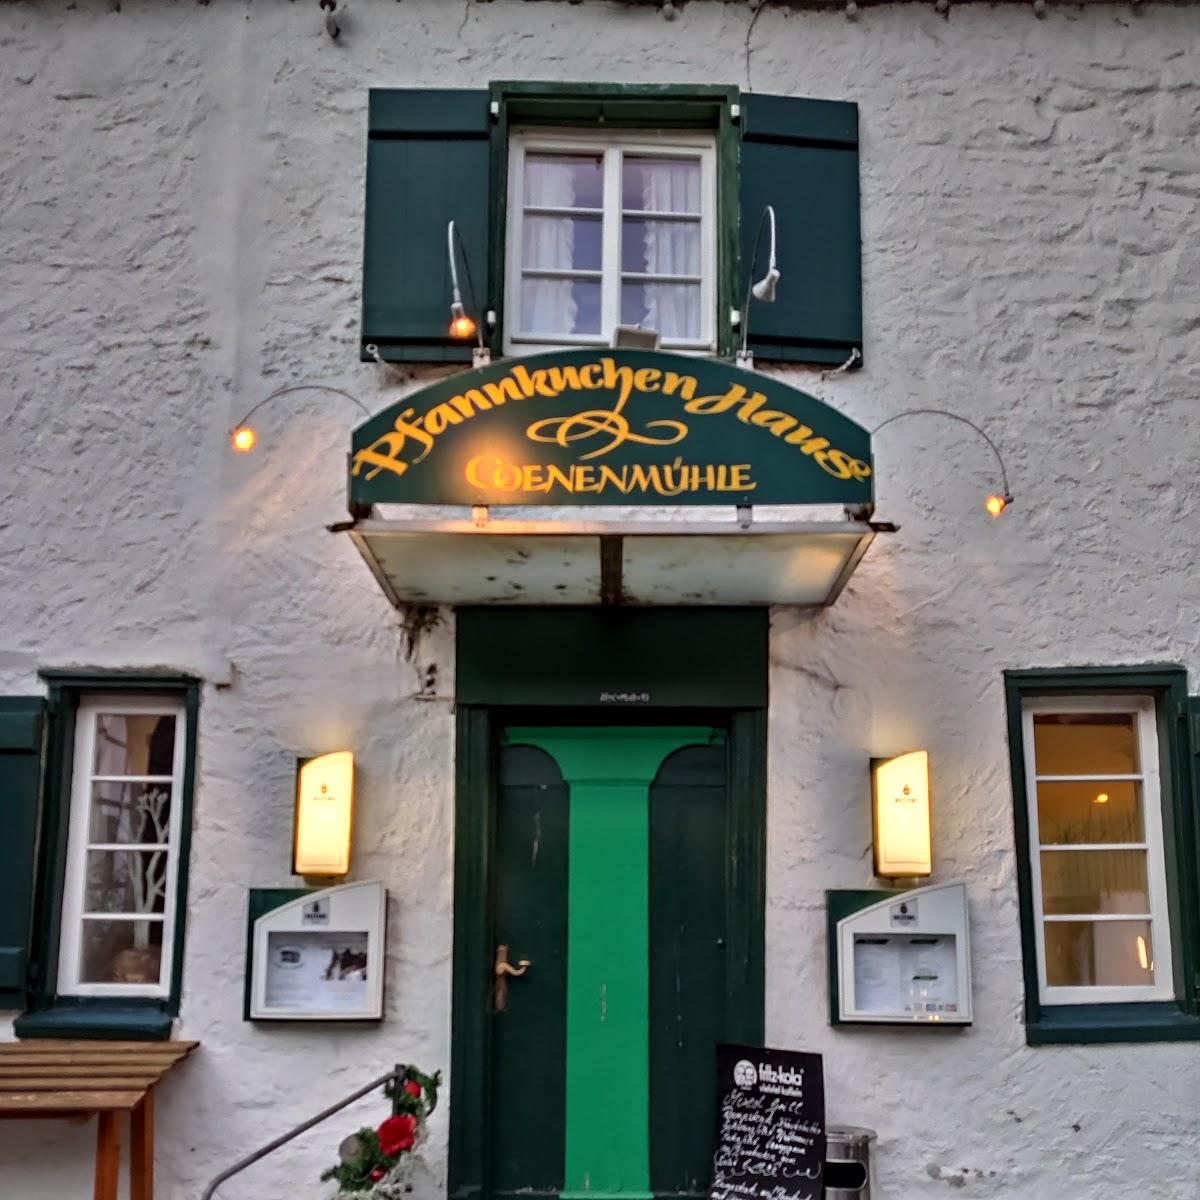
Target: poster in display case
316, 955
900, 958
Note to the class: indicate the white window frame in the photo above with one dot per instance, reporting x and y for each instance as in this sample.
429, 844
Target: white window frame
611, 146
1146, 726
78, 844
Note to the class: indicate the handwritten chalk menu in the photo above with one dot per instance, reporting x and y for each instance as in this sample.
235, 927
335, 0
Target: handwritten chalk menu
770, 1125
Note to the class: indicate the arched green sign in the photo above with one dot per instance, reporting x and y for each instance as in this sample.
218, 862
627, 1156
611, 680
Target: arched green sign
605, 426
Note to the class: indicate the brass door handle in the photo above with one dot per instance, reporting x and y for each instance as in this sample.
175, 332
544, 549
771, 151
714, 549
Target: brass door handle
502, 969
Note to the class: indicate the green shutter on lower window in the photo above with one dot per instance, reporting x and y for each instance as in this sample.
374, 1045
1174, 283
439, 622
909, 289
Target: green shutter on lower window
801, 157
21, 720
428, 162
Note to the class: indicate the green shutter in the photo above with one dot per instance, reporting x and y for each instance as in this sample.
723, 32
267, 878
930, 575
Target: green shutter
801, 157
20, 760
427, 164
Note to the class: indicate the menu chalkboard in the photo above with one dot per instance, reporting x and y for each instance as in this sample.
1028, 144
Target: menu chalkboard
770, 1125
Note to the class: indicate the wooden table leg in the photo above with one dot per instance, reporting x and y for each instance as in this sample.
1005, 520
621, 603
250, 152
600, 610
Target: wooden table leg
108, 1155
141, 1149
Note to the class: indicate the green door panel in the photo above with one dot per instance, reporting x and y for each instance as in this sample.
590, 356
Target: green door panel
688, 816
608, 989
613, 868
529, 1045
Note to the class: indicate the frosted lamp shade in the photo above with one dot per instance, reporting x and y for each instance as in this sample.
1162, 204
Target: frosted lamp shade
324, 815
900, 807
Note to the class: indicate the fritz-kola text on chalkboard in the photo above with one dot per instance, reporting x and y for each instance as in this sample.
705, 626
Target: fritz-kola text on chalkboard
770, 1125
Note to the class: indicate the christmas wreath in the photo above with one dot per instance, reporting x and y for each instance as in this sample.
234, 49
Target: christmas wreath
373, 1162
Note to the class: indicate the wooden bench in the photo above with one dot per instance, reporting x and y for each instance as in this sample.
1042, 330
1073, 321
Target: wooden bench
54, 1078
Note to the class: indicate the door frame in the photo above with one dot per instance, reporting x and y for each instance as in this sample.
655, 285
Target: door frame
474, 938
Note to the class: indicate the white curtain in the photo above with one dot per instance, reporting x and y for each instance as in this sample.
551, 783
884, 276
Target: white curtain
548, 243
672, 247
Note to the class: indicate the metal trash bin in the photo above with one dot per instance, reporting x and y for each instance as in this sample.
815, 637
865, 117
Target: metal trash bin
848, 1162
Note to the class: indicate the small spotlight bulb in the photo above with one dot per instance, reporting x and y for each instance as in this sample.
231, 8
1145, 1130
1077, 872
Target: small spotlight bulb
462, 326
244, 439
996, 504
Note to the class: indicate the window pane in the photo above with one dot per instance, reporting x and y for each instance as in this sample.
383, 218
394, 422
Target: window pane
671, 308
660, 247
561, 243
1071, 813
134, 744
130, 812
1094, 881
661, 184
550, 306
1099, 953
125, 881
564, 181
1085, 743
120, 952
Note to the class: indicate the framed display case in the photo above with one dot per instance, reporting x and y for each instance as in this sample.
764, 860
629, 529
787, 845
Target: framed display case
900, 958
316, 955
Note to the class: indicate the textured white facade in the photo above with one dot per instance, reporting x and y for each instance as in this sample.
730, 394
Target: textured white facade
182, 195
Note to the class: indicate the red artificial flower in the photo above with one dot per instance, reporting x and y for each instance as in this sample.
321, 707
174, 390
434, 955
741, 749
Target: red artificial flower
397, 1134
412, 1087
377, 1173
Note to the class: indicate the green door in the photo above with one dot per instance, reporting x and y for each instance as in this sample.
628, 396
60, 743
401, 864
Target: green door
610, 879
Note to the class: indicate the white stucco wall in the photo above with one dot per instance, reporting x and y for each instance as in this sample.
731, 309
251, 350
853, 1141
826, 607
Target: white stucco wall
182, 200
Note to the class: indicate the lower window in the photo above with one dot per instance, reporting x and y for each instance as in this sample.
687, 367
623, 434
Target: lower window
1107, 853
1096, 849
98, 951
119, 912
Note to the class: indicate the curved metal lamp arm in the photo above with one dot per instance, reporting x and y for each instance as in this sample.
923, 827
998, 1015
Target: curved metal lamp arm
762, 220
303, 387
452, 235
941, 412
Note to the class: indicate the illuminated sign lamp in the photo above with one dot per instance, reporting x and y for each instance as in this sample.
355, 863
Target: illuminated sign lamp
900, 815
324, 815
463, 326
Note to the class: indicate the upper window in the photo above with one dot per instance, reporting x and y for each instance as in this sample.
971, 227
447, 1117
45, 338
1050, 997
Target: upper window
1096, 848
607, 231
124, 829
608, 214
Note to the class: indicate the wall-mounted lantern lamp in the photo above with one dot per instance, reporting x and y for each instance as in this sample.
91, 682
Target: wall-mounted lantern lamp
900, 812
324, 815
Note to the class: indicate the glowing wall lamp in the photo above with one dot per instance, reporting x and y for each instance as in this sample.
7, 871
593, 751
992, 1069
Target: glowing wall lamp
996, 502
463, 326
243, 437
324, 815
900, 809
